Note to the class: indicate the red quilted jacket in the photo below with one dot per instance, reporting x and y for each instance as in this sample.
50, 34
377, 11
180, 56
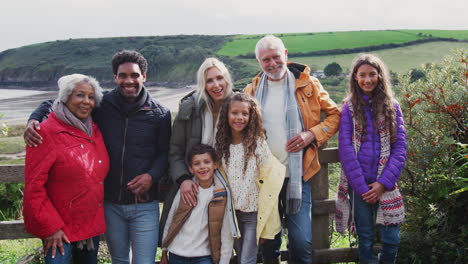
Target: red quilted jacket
64, 182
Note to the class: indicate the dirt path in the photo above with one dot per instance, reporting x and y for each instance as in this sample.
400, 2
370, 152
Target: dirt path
19, 155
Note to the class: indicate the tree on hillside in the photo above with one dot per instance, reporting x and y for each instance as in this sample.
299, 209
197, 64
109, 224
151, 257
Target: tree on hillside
435, 177
158, 56
416, 74
333, 69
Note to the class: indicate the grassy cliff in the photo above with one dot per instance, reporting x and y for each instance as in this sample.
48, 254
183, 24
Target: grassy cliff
171, 58
175, 59
302, 43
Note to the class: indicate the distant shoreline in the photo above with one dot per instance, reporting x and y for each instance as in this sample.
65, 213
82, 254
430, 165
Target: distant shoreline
52, 86
17, 105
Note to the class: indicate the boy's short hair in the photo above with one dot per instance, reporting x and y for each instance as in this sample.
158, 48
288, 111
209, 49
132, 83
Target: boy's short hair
200, 149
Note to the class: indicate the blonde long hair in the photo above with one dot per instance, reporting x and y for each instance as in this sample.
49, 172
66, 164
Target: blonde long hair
201, 80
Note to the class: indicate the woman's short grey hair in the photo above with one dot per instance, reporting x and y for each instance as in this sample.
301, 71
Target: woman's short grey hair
269, 42
201, 80
67, 83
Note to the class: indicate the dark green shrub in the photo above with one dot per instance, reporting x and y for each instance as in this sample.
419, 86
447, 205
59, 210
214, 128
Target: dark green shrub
435, 179
333, 69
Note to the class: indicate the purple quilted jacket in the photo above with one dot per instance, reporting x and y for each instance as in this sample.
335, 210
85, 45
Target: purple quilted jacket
361, 170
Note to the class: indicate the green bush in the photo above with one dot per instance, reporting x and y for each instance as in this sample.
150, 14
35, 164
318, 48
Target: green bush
11, 201
11, 251
435, 178
333, 69
333, 81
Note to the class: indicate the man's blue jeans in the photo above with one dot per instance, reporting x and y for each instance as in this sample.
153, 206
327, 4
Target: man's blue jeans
87, 256
299, 230
364, 217
132, 227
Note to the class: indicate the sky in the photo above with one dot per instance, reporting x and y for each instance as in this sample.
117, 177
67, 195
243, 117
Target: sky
25, 22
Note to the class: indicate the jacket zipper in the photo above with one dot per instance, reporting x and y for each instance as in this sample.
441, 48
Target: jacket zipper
122, 158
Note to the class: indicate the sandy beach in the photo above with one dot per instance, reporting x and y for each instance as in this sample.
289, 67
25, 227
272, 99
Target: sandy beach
16, 104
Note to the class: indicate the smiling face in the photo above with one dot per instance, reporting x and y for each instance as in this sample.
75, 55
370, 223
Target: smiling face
81, 101
129, 79
273, 63
238, 117
215, 85
367, 78
203, 167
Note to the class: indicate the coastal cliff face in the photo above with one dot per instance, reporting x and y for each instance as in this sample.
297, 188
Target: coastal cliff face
171, 59
175, 59
46, 74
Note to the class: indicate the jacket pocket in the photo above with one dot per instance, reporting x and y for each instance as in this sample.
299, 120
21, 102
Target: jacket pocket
83, 209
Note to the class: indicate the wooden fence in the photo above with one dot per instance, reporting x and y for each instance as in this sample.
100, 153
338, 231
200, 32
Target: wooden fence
323, 207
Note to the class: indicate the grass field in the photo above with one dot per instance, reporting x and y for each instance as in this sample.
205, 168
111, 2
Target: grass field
307, 42
456, 34
9, 145
398, 60
11, 251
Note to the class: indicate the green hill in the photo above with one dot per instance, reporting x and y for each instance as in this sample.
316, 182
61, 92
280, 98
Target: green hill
399, 60
170, 58
310, 42
175, 59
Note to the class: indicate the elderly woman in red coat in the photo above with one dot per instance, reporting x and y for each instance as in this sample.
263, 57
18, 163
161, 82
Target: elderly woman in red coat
64, 176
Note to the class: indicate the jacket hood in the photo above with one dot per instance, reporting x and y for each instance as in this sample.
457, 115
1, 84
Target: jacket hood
188, 102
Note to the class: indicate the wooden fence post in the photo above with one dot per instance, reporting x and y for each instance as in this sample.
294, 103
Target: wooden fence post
320, 223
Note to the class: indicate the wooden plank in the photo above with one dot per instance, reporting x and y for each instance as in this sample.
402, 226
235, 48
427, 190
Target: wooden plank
329, 155
15, 173
321, 256
323, 207
334, 255
11, 173
13, 230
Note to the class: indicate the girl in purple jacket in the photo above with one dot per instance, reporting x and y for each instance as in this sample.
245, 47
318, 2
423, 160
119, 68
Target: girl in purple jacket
372, 149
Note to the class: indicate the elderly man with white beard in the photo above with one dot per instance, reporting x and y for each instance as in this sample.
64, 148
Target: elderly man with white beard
291, 102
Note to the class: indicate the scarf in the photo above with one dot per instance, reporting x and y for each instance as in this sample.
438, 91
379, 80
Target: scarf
294, 125
64, 114
391, 208
85, 242
208, 132
126, 108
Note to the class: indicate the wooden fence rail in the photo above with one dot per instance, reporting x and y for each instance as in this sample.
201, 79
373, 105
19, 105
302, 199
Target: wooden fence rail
323, 207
